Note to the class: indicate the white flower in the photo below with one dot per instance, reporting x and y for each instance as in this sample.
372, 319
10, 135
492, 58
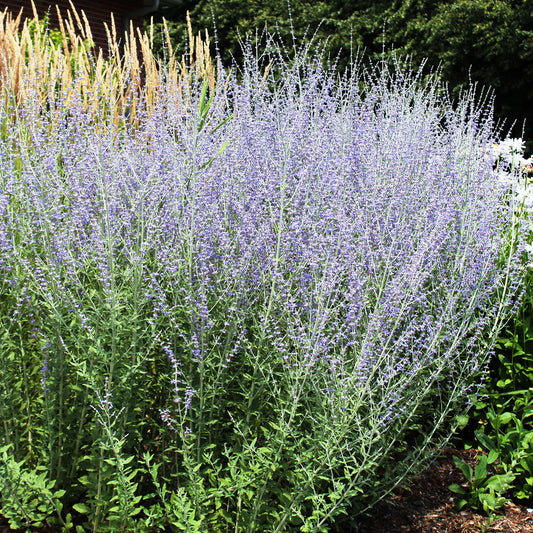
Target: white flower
515, 146
505, 178
524, 195
529, 250
515, 160
510, 151
527, 165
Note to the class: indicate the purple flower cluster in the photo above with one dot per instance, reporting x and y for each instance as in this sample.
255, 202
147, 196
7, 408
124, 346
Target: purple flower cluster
342, 237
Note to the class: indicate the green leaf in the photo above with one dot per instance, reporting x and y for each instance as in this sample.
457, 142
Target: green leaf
461, 421
225, 515
228, 118
488, 501
500, 483
465, 468
81, 508
204, 108
491, 502
480, 472
457, 489
521, 495
493, 455
506, 417
461, 503
485, 440
84, 480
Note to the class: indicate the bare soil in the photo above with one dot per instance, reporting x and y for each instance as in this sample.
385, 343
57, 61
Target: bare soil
427, 505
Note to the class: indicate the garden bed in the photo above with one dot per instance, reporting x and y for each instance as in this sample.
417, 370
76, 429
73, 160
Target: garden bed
254, 301
427, 505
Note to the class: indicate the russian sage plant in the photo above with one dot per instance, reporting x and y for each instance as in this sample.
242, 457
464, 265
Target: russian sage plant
260, 309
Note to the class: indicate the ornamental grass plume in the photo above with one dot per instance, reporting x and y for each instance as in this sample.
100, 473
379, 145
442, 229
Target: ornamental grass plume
60, 68
261, 309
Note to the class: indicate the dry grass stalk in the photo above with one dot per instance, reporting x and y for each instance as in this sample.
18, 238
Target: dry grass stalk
36, 68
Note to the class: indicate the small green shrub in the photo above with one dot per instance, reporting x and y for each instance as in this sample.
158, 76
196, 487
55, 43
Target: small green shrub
502, 419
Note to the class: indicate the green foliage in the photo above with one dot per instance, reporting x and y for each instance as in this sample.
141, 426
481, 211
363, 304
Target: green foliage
485, 484
506, 470
41, 28
27, 498
504, 418
505, 415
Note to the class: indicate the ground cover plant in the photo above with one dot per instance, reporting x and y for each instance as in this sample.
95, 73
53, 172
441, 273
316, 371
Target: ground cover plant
259, 306
500, 421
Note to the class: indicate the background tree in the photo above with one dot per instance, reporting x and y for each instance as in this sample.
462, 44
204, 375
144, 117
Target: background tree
489, 42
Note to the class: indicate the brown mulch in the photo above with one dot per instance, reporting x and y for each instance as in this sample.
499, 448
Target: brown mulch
427, 506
